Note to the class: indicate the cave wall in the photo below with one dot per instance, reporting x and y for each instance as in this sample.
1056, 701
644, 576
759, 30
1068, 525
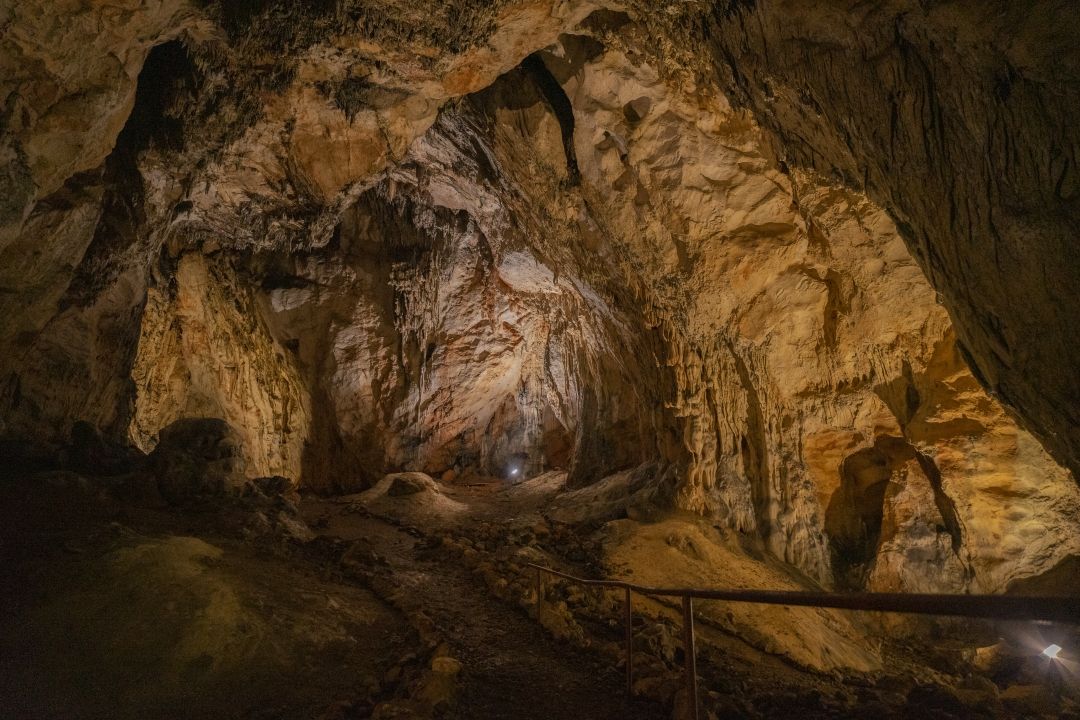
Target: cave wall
536, 233
801, 333
69, 78
439, 333
974, 100
204, 351
76, 368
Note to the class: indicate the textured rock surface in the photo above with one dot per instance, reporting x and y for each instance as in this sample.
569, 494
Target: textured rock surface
681, 553
974, 100
203, 352
215, 627
685, 246
197, 457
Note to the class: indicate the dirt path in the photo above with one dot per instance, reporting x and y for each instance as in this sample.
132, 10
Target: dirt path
511, 667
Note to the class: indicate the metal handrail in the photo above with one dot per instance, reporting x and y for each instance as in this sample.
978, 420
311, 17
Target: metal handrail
992, 607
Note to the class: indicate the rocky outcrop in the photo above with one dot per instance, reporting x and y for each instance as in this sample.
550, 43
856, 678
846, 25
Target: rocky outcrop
197, 457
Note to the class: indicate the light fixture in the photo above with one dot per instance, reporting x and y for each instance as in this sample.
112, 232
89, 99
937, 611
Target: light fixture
1052, 651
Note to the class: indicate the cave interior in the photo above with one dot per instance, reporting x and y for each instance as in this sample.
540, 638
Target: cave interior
324, 322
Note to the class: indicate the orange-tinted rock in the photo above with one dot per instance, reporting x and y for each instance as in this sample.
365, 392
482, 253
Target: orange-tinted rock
371, 248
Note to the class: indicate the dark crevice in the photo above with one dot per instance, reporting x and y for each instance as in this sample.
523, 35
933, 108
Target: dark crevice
604, 20
854, 515
945, 505
168, 79
752, 447
556, 97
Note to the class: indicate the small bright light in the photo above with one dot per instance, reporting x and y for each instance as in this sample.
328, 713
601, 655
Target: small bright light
1052, 651
514, 471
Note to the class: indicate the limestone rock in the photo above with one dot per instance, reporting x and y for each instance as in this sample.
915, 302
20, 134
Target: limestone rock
294, 528
974, 108
203, 352
688, 553
703, 259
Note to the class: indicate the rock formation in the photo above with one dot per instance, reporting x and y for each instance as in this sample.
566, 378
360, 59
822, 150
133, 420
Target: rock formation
808, 268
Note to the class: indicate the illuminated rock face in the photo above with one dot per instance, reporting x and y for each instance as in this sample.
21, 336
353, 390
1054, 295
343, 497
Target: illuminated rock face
540, 236
430, 345
204, 352
958, 119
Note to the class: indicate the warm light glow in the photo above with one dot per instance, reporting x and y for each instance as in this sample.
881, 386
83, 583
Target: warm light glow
1052, 651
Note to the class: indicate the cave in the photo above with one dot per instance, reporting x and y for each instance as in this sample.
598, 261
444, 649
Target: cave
344, 340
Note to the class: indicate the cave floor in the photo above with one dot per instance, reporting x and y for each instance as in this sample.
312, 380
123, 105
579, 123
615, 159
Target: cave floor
386, 606
510, 667
120, 611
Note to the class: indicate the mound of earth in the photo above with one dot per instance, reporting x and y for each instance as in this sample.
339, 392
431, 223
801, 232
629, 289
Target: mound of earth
410, 496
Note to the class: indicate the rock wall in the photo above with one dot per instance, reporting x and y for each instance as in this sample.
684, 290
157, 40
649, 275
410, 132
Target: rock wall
974, 100
528, 235
69, 83
76, 368
204, 351
804, 339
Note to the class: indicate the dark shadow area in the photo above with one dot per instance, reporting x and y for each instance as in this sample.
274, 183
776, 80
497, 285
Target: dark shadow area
853, 517
556, 97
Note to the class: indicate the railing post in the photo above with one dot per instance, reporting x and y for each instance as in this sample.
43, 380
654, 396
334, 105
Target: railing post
539, 593
690, 651
628, 619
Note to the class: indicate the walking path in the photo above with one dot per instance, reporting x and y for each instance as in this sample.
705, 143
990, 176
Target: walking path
511, 667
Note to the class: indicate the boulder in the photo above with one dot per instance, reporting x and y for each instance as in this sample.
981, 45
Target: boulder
197, 457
